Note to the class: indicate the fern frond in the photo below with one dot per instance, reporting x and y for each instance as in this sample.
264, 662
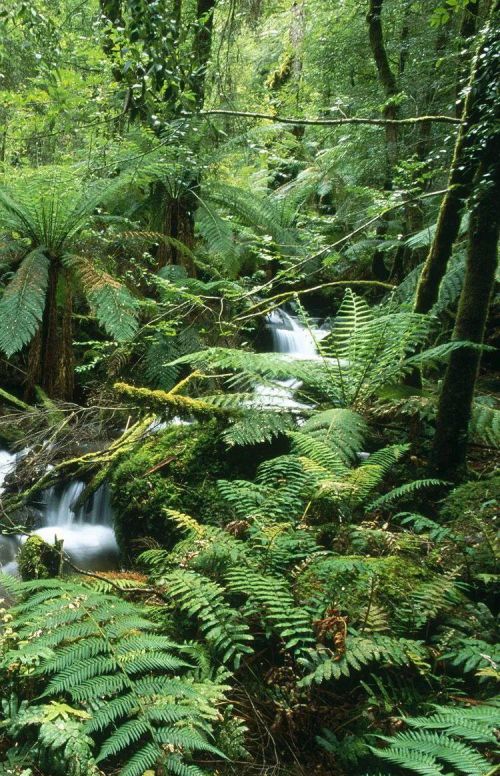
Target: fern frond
199, 597
23, 302
485, 424
271, 600
115, 307
105, 655
405, 491
343, 429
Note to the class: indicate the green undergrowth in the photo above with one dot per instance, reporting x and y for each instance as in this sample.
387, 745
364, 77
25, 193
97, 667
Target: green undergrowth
311, 614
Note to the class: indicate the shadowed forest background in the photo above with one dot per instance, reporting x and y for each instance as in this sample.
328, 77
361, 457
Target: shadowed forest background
249, 417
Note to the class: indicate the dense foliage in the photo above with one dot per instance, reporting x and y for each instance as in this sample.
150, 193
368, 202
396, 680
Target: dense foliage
308, 557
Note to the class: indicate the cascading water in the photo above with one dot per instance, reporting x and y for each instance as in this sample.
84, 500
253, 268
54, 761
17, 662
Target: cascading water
87, 531
294, 341
289, 336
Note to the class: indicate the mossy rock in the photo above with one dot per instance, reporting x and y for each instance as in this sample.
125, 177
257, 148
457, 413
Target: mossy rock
175, 469
39, 560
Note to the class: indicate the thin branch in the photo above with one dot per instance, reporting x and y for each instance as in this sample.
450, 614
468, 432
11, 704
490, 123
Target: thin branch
333, 122
329, 248
278, 299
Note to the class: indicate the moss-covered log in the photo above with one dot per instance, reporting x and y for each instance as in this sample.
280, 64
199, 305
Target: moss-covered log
160, 401
177, 468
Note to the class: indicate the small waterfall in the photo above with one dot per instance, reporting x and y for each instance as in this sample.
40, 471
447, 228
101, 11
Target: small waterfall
59, 506
294, 341
87, 530
289, 336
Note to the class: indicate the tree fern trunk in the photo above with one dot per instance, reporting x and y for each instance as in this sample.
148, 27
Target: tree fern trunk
50, 357
450, 441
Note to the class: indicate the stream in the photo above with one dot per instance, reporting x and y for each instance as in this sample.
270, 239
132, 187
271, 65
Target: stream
87, 532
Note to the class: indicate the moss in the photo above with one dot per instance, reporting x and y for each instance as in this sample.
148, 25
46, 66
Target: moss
39, 560
176, 469
473, 499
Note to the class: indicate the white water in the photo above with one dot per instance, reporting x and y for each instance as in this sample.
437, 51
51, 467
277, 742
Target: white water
289, 336
87, 531
294, 341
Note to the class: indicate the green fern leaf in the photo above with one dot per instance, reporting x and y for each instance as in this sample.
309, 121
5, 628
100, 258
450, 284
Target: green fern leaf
23, 303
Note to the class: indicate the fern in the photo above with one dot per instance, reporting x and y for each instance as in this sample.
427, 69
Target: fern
101, 652
256, 428
406, 491
343, 429
323, 665
437, 740
23, 302
221, 625
271, 601
485, 424
115, 308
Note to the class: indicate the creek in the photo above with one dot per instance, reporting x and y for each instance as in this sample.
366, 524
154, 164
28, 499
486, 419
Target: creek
87, 531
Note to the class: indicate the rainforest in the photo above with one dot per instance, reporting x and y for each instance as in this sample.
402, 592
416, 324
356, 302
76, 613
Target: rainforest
249, 412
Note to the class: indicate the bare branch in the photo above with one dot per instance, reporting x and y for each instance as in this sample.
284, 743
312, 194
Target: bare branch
333, 122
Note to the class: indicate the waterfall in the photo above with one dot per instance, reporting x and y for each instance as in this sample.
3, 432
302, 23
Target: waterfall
58, 506
295, 341
87, 530
290, 336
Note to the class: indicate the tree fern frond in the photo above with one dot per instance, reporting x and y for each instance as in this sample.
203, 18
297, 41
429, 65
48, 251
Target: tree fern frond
343, 429
115, 307
23, 301
404, 491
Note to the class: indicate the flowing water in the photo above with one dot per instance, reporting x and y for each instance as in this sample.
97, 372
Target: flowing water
294, 341
87, 530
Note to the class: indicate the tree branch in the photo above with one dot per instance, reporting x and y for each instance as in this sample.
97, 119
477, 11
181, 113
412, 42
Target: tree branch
332, 122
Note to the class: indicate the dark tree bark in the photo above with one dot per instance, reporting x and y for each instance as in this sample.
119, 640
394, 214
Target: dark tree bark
50, 356
388, 82
468, 29
454, 411
466, 157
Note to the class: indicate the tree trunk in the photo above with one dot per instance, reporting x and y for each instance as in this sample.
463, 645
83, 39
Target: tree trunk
455, 403
466, 157
388, 82
467, 32
50, 357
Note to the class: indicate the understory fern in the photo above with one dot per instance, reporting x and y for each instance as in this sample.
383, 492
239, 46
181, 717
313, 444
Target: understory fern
452, 736
105, 656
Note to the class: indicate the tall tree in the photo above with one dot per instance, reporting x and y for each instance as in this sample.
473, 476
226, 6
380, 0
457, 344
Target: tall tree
454, 411
466, 158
